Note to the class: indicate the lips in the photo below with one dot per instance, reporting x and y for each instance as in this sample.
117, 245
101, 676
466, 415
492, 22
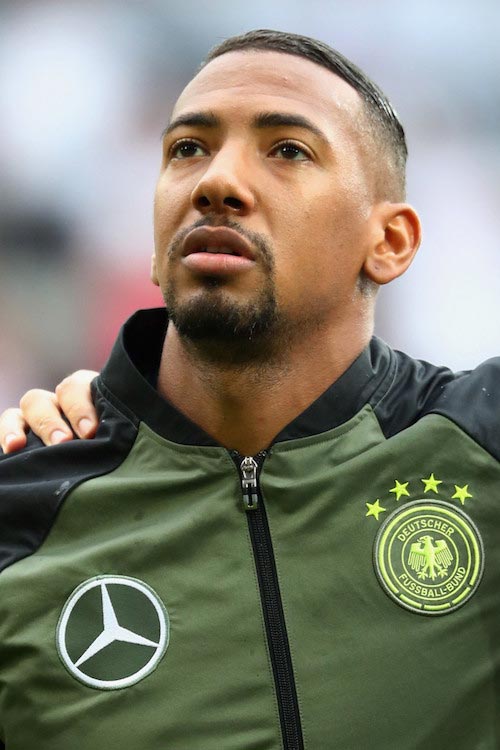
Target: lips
217, 240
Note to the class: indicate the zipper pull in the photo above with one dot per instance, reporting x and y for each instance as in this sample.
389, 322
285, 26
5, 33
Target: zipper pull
248, 468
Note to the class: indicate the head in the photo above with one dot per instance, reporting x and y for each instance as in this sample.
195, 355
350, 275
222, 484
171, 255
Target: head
380, 128
287, 142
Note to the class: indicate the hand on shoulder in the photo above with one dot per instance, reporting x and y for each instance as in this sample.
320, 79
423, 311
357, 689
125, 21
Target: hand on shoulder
42, 412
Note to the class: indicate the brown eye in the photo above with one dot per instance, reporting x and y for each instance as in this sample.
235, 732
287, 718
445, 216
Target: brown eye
289, 151
186, 149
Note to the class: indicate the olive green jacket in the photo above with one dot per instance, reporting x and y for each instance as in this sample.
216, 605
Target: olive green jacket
339, 590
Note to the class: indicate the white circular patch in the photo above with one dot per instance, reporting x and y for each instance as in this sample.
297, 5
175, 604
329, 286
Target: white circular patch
112, 632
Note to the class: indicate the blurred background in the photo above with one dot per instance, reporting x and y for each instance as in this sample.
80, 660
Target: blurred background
85, 91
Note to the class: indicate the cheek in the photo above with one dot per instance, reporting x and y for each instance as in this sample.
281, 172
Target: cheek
163, 231
321, 250
158, 214
170, 203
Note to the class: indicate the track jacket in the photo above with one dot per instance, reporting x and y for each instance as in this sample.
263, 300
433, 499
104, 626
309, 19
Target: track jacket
341, 590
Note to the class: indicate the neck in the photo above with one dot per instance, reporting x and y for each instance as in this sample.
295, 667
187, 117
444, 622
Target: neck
244, 407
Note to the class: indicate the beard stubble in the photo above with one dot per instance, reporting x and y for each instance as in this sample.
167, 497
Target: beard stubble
220, 330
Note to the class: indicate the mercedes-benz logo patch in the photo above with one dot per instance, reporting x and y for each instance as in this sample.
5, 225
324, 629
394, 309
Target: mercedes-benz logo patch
112, 632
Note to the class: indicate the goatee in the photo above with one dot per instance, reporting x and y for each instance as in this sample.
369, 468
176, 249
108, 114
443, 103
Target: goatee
224, 329
220, 329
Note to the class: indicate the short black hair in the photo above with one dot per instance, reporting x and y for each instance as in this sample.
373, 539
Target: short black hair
383, 121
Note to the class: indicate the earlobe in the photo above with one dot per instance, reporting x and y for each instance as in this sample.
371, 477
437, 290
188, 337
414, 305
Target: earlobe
399, 238
154, 274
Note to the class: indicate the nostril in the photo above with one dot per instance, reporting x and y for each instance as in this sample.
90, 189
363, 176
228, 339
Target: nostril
233, 203
203, 202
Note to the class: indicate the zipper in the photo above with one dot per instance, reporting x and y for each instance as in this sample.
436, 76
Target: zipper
249, 486
249, 468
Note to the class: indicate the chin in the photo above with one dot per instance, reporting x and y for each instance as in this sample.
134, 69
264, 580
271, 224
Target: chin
216, 315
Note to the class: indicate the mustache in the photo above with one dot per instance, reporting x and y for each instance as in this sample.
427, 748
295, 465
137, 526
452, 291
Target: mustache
264, 250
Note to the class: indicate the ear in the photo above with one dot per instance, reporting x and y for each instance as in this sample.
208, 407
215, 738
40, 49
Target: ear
398, 235
154, 274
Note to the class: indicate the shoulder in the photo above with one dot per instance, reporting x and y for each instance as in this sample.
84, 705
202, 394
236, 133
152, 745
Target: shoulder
471, 398
472, 401
35, 481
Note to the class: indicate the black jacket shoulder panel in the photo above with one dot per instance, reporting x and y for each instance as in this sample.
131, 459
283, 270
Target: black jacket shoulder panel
471, 399
363, 382
35, 481
415, 386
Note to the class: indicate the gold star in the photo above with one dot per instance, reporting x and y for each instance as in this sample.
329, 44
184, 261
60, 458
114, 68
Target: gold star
431, 484
400, 489
462, 493
375, 509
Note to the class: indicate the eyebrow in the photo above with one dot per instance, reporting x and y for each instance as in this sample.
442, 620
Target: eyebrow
260, 121
286, 119
193, 120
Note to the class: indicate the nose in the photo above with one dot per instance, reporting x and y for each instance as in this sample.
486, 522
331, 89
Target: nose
224, 188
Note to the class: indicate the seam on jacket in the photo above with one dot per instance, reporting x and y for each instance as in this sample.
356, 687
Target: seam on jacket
327, 437
476, 443
66, 492
39, 551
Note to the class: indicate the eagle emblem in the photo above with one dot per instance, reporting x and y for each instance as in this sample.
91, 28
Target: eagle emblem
430, 559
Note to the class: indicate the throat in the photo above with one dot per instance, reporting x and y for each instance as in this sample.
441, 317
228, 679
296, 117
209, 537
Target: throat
243, 405
239, 403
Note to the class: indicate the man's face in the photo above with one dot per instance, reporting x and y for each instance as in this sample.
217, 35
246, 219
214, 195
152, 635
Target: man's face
266, 144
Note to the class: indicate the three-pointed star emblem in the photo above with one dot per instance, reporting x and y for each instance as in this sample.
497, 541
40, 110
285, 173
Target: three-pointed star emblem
112, 631
91, 646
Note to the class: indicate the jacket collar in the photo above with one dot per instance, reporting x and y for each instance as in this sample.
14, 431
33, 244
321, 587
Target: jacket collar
131, 372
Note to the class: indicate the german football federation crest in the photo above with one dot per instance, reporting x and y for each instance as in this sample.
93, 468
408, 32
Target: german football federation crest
429, 557
112, 632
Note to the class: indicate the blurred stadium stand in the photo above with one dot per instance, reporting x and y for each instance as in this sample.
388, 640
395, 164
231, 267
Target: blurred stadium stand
85, 91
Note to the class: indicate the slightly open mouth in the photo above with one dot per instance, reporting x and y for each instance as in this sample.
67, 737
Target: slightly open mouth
217, 241
217, 251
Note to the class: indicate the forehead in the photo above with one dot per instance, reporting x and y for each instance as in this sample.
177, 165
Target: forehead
269, 79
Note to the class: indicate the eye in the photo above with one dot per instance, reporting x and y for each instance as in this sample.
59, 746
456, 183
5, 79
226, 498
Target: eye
185, 149
290, 151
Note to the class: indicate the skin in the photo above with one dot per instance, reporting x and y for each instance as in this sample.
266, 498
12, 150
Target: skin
313, 201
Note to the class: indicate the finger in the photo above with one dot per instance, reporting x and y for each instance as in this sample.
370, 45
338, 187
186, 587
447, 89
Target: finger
75, 401
41, 413
12, 430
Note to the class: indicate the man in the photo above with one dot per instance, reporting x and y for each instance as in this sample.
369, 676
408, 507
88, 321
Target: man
283, 534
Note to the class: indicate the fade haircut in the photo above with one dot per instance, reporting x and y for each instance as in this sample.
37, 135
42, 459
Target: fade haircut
382, 126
